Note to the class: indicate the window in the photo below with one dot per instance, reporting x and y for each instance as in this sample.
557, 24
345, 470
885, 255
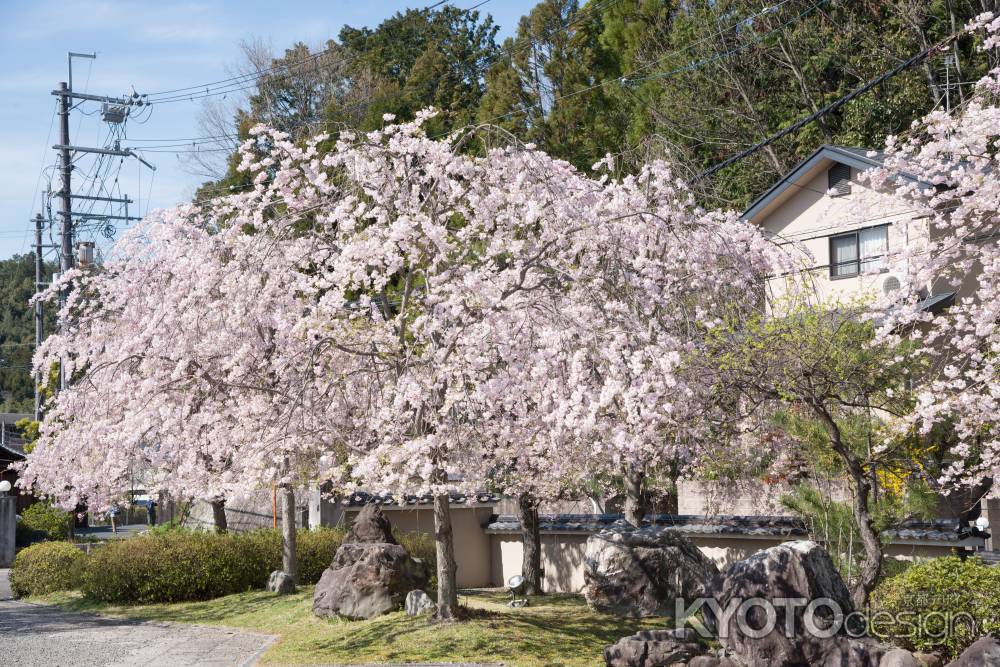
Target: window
838, 180
863, 251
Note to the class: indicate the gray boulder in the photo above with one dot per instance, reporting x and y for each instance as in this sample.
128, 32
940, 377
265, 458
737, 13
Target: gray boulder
711, 661
368, 579
370, 526
281, 583
984, 652
652, 648
418, 602
899, 657
638, 573
801, 571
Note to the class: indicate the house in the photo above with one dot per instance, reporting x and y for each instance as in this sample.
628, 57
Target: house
12, 451
853, 235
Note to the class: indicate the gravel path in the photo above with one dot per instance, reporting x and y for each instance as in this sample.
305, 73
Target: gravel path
40, 635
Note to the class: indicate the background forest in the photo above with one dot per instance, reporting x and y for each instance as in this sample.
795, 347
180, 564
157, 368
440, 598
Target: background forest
695, 81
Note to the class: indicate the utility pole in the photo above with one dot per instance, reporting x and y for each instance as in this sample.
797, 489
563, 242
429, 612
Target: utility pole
115, 111
66, 189
39, 313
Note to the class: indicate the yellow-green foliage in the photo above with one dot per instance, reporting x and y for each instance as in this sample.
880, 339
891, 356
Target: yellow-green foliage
941, 605
45, 568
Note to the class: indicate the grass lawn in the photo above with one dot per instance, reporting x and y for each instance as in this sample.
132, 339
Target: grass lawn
554, 630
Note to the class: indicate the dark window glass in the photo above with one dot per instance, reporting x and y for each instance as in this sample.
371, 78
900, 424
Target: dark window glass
864, 251
844, 255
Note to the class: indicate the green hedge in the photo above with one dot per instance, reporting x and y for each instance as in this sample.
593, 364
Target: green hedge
177, 565
47, 567
941, 605
315, 549
193, 565
43, 517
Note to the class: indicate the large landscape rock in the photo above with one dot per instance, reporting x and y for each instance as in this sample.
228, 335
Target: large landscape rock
801, 570
640, 573
653, 648
984, 652
370, 526
368, 578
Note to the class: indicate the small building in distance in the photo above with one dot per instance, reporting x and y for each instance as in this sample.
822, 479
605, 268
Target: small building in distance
12, 444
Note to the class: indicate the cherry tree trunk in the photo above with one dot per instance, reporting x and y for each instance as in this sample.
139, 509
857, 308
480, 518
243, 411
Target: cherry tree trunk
289, 562
219, 515
531, 540
444, 536
635, 496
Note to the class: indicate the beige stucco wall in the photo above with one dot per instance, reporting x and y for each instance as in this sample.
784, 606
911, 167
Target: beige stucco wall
562, 560
472, 545
749, 497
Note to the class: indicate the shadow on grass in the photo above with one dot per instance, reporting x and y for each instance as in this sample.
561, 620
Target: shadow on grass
220, 610
560, 630
556, 629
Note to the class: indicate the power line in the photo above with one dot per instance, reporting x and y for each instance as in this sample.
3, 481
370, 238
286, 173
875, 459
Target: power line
833, 106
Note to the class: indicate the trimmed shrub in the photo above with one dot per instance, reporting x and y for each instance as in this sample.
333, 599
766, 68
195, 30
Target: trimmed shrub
47, 567
315, 549
941, 605
175, 566
45, 518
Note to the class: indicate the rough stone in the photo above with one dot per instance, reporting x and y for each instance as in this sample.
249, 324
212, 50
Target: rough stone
984, 652
368, 579
711, 661
651, 648
899, 657
370, 526
928, 659
418, 602
638, 573
281, 583
795, 570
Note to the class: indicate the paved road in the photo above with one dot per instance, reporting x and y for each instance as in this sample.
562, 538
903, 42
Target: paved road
104, 532
43, 636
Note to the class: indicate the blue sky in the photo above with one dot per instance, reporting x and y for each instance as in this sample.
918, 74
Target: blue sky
153, 46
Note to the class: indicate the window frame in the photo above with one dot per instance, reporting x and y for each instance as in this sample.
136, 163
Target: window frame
859, 260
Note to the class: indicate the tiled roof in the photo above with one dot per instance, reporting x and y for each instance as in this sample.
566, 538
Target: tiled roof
943, 530
685, 523
361, 498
